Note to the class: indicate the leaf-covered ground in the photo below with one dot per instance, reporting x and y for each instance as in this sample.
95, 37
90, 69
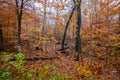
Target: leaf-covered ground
59, 66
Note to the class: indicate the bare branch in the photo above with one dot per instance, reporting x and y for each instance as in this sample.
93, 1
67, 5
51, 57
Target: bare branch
25, 2
74, 2
17, 7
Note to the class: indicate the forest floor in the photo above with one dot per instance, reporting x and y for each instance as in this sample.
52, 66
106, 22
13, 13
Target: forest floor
87, 68
81, 70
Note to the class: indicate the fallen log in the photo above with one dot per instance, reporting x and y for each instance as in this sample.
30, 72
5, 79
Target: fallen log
61, 43
63, 49
35, 58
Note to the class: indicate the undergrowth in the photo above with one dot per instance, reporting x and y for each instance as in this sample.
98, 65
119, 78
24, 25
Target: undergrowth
16, 70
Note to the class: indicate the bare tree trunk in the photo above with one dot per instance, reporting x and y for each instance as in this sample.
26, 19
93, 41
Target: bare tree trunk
19, 17
90, 44
107, 36
90, 38
78, 26
1, 38
65, 30
44, 22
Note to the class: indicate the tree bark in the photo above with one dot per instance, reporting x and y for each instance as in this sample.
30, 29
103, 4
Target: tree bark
19, 17
90, 35
1, 38
65, 30
78, 27
44, 22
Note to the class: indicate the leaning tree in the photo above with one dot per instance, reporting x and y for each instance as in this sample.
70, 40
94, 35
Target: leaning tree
77, 8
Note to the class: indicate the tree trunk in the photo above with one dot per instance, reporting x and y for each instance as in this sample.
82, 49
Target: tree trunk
44, 22
90, 36
1, 38
19, 33
78, 26
90, 39
19, 17
65, 30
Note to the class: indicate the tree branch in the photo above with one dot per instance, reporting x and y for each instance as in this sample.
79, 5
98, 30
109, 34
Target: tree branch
17, 7
74, 2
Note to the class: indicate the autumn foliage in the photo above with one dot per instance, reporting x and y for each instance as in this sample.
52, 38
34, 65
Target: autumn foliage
43, 25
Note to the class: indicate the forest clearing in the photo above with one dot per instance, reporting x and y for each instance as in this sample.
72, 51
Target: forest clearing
59, 39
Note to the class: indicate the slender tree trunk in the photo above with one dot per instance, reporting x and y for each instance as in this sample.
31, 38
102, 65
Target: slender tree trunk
65, 30
56, 24
119, 17
107, 36
78, 26
19, 35
90, 38
44, 22
19, 17
1, 38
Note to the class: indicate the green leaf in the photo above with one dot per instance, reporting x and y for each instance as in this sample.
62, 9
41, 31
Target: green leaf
6, 74
46, 66
53, 67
